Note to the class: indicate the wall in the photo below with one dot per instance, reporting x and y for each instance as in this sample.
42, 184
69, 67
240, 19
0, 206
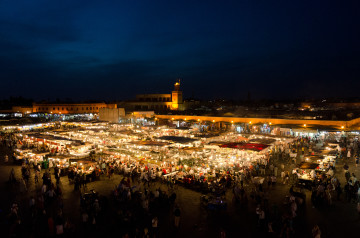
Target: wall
75, 108
273, 121
23, 110
154, 97
139, 114
111, 114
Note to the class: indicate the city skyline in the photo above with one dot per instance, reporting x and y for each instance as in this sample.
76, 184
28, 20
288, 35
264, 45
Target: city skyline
88, 50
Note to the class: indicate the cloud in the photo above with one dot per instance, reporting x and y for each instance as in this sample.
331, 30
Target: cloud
87, 49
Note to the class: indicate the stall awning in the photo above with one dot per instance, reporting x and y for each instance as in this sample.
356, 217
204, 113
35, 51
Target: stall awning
306, 165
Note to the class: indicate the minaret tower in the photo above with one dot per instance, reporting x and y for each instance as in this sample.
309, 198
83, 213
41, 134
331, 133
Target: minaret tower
177, 98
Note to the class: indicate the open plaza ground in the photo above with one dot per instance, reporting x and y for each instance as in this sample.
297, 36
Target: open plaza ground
234, 193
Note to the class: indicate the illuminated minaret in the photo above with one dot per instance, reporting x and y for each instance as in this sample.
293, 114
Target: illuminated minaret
177, 98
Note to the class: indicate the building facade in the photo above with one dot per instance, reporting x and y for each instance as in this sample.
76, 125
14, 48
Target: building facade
111, 114
70, 108
157, 102
23, 110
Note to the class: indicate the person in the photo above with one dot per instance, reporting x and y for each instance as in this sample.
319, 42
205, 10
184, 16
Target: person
85, 218
177, 216
12, 176
347, 175
59, 226
23, 186
50, 194
283, 176
242, 178
270, 228
293, 209
36, 176
51, 226
286, 177
154, 225
222, 233
261, 221
146, 233
316, 232
57, 174
32, 203
356, 161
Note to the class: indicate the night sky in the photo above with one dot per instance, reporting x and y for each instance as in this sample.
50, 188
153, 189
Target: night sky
106, 50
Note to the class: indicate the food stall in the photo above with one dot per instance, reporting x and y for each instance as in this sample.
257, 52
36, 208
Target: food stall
20, 155
60, 161
87, 167
306, 173
37, 157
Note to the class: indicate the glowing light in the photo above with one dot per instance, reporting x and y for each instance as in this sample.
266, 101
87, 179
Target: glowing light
172, 118
270, 123
198, 119
232, 121
213, 120
304, 125
250, 122
342, 127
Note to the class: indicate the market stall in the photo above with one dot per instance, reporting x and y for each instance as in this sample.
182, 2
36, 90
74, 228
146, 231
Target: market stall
306, 173
88, 168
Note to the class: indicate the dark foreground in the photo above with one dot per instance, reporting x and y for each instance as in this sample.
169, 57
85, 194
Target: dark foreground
127, 217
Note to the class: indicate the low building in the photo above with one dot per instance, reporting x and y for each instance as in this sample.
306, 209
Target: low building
70, 108
145, 114
111, 114
23, 110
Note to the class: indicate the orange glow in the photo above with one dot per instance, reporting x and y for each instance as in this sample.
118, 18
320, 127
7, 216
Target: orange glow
198, 119
250, 122
270, 123
213, 120
232, 121
304, 125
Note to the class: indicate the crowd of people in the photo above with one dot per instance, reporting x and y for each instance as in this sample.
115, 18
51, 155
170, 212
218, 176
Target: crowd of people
140, 202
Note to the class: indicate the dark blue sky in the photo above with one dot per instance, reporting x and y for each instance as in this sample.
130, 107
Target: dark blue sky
116, 49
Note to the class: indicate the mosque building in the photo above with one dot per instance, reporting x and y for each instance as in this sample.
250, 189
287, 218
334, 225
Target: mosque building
157, 102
